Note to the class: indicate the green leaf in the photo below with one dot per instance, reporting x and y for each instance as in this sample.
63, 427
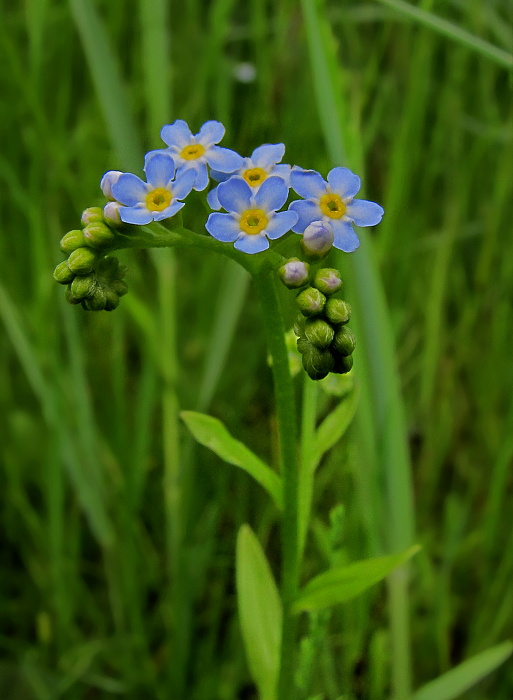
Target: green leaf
333, 427
456, 681
260, 612
345, 582
211, 433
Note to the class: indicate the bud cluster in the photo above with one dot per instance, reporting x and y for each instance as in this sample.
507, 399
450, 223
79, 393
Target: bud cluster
324, 341
92, 279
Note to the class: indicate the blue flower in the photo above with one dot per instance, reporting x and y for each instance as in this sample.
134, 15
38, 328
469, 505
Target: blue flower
158, 198
332, 202
252, 217
195, 152
261, 165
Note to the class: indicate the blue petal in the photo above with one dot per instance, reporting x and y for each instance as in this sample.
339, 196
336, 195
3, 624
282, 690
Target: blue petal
211, 132
183, 184
224, 227
343, 182
218, 176
307, 212
200, 171
345, 237
223, 159
364, 213
159, 167
234, 195
109, 178
267, 155
129, 189
272, 194
213, 200
307, 183
168, 212
135, 215
176, 134
282, 171
281, 222
254, 243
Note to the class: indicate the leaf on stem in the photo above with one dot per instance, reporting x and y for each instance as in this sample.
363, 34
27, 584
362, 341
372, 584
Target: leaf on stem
260, 612
333, 427
212, 433
456, 681
343, 583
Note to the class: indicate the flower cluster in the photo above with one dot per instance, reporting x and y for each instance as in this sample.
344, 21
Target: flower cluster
251, 191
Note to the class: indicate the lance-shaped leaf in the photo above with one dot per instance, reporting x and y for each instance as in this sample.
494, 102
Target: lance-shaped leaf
345, 582
260, 612
213, 434
456, 681
333, 427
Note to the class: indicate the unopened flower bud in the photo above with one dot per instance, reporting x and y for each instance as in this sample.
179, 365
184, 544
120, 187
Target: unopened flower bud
342, 363
344, 341
72, 240
111, 213
62, 274
319, 333
327, 280
83, 287
299, 325
317, 240
108, 180
82, 260
337, 311
311, 301
303, 344
99, 236
111, 300
96, 302
318, 363
70, 297
92, 215
294, 273
120, 287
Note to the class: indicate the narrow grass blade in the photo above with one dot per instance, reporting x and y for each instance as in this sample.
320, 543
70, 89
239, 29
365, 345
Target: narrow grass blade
260, 612
211, 433
460, 679
343, 583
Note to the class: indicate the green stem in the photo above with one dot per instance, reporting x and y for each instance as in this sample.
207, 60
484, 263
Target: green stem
285, 411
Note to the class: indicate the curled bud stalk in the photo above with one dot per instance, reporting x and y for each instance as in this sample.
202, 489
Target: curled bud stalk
311, 301
101, 289
294, 273
327, 280
317, 240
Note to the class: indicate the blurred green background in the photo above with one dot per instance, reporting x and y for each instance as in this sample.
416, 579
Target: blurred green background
117, 534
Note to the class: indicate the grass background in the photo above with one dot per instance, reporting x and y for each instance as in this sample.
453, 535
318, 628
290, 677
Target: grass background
109, 515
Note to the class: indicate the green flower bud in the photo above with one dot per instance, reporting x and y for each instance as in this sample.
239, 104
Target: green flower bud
83, 287
327, 280
319, 332
62, 274
337, 311
303, 344
294, 273
342, 364
311, 301
111, 300
99, 236
120, 287
317, 240
92, 215
82, 260
318, 363
299, 325
344, 341
70, 297
71, 241
96, 302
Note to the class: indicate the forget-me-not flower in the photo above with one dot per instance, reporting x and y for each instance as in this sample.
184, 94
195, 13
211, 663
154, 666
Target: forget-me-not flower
157, 198
195, 152
252, 218
255, 170
333, 202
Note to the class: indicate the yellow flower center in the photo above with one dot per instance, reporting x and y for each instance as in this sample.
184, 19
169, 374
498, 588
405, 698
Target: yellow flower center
253, 221
192, 152
158, 199
254, 176
332, 205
